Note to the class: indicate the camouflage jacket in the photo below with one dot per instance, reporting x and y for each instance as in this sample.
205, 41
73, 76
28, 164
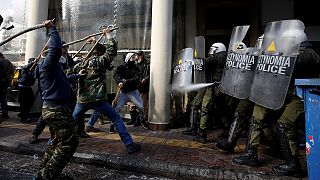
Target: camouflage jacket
93, 87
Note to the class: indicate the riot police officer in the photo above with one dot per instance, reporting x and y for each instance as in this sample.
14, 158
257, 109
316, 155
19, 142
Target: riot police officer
306, 66
206, 97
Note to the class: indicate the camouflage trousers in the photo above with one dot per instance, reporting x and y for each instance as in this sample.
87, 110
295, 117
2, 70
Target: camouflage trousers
291, 116
209, 99
64, 139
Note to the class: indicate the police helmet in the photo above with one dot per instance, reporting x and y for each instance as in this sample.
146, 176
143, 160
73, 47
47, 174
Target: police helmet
216, 48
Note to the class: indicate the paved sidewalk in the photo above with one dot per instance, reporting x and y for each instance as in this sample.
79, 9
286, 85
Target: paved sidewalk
166, 153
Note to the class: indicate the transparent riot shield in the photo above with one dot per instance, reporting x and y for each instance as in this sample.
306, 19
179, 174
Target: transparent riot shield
199, 63
182, 70
274, 68
240, 65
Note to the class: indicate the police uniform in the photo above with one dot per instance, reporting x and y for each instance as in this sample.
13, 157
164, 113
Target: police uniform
307, 66
207, 97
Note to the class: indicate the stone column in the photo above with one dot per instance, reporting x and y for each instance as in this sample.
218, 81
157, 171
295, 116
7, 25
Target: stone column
37, 13
160, 67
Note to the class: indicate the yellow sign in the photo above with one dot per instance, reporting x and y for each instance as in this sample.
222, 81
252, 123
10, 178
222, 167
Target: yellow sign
272, 47
195, 53
180, 61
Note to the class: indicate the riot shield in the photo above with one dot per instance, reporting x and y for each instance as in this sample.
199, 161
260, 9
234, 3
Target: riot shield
182, 70
274, 68
199, 64
240, 65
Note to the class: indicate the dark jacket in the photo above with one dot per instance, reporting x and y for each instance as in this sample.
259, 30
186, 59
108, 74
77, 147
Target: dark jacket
6, 71
27, 77
53, 81
128, 75
144, 68
214, 65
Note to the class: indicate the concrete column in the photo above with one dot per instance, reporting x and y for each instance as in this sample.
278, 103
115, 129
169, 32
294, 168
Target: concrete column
37, 13
160, 67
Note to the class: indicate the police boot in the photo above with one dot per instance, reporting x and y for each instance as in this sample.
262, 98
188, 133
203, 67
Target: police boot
229, 144
133, 118
250, 157
192, 130
291, 167
202, 136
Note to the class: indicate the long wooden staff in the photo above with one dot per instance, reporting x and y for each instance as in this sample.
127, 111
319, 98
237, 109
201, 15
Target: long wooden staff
87, 37
115, 100
39, 56
84, 44
38, 26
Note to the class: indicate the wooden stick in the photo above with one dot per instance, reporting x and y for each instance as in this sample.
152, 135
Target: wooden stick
39, 56
38, 26
115, 100
87, 37
79, 50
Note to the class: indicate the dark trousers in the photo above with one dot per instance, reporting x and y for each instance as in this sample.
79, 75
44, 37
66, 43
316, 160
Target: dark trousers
26, 98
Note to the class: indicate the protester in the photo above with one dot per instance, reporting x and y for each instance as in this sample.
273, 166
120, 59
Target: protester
92, 91
6, 73
55, 111
127, 78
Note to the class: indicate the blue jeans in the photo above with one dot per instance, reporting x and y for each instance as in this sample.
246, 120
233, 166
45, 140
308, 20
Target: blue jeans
134, 97
107, 110
93, 119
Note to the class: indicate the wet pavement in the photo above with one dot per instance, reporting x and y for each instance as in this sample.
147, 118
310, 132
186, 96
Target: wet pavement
166, 153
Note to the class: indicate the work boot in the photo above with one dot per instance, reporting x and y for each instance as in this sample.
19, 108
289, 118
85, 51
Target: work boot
224, 145
250, 158
91, 129
229, 144
133, 118
111, 130
144, 120
145, 123
190, 132
132, 148
202, 136
291, 167
83, 135
33, 139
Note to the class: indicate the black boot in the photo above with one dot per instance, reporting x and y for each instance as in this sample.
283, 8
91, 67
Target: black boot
249, 158
229, 144
192, 130
202, 136
143, 120
111, 129
81, 132
291, 167
133, 118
